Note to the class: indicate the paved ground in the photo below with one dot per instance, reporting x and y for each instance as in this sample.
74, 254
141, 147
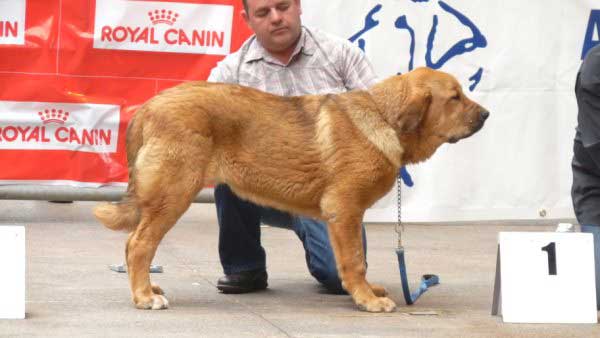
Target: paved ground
72, 293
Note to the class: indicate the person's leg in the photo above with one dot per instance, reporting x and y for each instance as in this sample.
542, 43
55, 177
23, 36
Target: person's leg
595, 231
276, 218
240, 250
319, 255
585, 193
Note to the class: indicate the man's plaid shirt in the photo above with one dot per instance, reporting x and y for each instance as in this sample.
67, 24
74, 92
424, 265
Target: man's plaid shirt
320, 64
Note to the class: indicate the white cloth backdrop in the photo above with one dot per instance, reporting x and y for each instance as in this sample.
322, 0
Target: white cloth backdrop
518, 165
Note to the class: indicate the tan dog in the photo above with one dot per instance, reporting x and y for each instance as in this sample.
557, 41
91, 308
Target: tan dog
329, 157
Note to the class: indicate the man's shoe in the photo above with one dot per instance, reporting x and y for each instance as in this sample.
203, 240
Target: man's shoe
243, 282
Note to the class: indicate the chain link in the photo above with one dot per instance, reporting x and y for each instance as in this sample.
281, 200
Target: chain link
399, 225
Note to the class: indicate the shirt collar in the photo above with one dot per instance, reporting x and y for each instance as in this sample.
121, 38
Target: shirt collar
306, 45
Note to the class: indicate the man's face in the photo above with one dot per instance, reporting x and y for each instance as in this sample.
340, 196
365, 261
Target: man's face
276, 23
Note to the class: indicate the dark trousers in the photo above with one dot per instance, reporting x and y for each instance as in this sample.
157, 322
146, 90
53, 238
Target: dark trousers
240, 248
585, 193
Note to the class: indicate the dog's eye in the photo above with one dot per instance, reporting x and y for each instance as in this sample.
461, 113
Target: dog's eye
456, 97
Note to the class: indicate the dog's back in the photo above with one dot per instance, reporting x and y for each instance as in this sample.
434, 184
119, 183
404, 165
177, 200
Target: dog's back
278, 151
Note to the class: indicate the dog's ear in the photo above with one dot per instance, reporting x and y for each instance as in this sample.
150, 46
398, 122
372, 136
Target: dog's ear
402, 104
413, 109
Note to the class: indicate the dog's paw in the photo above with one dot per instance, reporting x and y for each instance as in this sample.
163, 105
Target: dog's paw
154, 302
157, 290
378, 290
378, 304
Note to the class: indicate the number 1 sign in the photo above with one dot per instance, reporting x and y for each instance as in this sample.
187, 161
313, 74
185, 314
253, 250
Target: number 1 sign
546, 277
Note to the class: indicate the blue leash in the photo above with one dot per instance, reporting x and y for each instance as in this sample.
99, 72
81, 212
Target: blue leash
427, 280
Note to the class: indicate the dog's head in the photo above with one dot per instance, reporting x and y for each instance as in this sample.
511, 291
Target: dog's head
430, 104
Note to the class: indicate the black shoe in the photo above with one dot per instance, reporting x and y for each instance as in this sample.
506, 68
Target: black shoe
243, 282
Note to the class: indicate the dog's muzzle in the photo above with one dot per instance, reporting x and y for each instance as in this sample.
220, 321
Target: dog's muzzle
483, 115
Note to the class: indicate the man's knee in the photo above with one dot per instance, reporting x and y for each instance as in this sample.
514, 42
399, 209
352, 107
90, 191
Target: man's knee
327, 275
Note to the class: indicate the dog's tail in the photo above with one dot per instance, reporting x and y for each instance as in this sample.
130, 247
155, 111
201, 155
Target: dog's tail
125, 215
122, 215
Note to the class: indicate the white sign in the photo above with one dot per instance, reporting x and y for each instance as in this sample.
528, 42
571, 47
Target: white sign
163, 26
547, 277
12, 278
59, 126
12, 22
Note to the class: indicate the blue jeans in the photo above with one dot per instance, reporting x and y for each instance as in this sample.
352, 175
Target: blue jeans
239, 238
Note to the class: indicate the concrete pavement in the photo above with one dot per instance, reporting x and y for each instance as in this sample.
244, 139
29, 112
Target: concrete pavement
72, 293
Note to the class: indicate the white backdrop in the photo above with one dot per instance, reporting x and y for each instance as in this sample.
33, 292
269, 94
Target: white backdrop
528, 52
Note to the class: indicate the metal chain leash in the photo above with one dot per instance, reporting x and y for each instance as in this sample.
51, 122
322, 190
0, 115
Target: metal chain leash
399, 225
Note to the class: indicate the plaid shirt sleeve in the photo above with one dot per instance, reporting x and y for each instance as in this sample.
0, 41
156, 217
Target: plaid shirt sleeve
226, 70
357, 71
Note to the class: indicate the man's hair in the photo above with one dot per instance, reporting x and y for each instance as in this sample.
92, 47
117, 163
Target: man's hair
245, 2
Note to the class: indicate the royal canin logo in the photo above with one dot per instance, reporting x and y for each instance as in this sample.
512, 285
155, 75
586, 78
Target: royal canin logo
163, 16
53, 116
167, 27
61, 133
153, 36
12, 22
9, 29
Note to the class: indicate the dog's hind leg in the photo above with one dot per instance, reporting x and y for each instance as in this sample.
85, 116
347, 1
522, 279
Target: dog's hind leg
167, 181
140, 251
344, 218
155, 288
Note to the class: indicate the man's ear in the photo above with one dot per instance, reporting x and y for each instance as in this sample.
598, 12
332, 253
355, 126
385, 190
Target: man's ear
299, 4
244, 15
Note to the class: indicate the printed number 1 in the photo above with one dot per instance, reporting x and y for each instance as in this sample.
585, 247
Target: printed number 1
551, 250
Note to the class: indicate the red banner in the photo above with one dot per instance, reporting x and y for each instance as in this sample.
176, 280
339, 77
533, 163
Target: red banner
73, 72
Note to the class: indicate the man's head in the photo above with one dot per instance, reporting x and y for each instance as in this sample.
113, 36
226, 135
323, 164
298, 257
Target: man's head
276, 23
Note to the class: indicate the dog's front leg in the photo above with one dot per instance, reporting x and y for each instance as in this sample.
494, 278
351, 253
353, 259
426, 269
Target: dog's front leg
345, 236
